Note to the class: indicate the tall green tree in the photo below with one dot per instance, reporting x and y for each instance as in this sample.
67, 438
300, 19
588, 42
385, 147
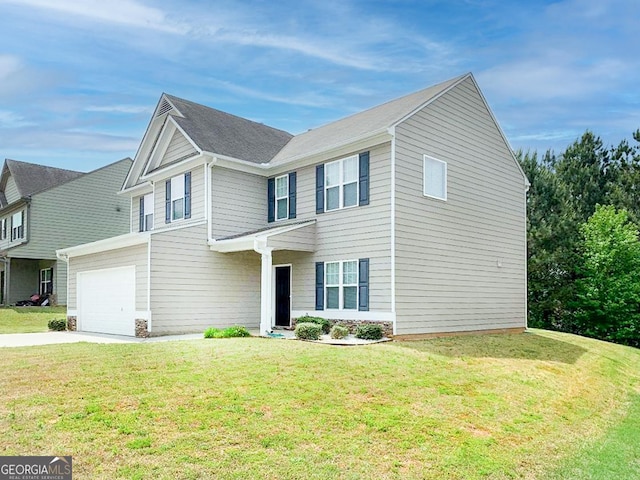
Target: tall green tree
607, 302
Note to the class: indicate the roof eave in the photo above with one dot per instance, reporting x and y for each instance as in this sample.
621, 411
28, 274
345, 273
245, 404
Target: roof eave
105, 245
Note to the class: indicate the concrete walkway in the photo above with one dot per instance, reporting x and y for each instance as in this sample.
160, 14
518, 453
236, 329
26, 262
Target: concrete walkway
51, 338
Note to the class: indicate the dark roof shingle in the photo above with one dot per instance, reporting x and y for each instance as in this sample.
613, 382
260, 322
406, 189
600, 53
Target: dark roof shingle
31, 178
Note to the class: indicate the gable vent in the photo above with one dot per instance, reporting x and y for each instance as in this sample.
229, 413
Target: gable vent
164, 107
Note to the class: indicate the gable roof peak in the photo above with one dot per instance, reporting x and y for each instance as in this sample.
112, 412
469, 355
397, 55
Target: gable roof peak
31, 178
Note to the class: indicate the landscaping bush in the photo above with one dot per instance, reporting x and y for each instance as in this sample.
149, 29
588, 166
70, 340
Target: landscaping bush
323, 322
369, 332
235, 331
338, 332
57, 324
308, 331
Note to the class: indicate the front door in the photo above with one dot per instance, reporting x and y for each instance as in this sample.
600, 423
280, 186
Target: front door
283, 296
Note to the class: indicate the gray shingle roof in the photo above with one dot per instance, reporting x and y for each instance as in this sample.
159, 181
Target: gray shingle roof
31, 178
359, 125
225, 134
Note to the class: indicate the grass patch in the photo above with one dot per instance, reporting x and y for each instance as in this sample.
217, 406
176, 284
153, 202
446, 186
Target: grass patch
487, 407
29, 319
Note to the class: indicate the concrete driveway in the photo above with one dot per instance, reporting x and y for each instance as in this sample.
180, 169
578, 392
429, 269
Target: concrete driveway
50, 338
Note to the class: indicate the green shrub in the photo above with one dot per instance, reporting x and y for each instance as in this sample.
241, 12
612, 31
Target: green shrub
339, 331
308, 331
235, 331
323, 322
57, 324
369, 331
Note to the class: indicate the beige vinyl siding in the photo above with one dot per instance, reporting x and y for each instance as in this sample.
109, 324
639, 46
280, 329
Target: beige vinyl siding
238, 202
193, 288
448, 253
135, 214
179, 148
197, 200
11, 190
347, 234
136, 255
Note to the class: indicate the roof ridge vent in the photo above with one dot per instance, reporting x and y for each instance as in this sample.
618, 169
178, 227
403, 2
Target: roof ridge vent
164, 107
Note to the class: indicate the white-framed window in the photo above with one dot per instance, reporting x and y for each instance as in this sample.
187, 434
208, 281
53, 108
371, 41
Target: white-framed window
147, 212
3, 229
341, 183
17, 227
282, 197
341, 285
177, 197
46, 281
435, 177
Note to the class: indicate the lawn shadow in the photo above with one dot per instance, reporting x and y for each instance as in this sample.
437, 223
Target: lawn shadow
527, 346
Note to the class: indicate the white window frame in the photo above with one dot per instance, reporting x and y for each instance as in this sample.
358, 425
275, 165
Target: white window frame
148, 205
284, 197
426, 159
17, 229
341, 183
341, 285
177, 185
45, 282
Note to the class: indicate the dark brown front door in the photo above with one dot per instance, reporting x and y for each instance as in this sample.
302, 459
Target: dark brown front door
283, 296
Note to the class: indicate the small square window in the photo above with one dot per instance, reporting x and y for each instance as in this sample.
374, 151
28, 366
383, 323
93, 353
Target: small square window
435, 178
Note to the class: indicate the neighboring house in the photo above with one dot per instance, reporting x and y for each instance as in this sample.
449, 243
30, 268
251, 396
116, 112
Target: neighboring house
411, 214
43, 209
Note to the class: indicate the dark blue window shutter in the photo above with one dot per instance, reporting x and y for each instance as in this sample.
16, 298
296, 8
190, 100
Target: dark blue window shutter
364, 179
167, 202
292, 194
363, 285
271, 200
142, 214
320, 189
187, 195
319, 285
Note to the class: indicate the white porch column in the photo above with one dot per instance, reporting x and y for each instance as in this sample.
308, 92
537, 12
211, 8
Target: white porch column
266, 288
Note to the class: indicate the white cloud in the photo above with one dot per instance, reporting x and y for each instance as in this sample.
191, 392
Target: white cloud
120, 109
308, 99
123, 12
10, 119
9, 64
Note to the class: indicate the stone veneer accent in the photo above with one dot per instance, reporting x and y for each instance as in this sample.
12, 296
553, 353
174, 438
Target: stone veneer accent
142, 328
72, 324
387, 327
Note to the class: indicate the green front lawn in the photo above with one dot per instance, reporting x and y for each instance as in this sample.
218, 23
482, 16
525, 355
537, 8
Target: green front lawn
494, 406
28, 319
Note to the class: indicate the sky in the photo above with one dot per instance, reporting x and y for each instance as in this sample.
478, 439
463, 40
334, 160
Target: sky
79, 79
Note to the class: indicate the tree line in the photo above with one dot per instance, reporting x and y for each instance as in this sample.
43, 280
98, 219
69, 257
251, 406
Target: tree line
583, 245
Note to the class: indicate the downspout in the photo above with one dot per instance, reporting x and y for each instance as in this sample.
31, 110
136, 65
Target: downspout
266, 287
208, 200
5, 287
392, 207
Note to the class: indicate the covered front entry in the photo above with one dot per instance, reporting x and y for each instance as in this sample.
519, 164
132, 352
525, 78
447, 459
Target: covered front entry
282, 287
106, 300
275, 284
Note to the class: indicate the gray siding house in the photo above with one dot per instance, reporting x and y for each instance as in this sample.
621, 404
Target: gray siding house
43, 209
411, 214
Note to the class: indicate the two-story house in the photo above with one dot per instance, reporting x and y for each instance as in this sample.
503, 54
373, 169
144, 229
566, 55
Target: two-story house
411, 213
43, 209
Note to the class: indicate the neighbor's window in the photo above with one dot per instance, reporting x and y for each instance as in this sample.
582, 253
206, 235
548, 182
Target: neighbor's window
341, 183
435, 178
46, 281
147, 212
341, 284
17, 227
3, 229
282, 197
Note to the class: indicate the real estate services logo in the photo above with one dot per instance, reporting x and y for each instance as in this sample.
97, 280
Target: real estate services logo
35, 468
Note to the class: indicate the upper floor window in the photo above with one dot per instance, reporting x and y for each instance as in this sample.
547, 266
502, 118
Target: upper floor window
281, 197
435, 178
17, 227
342, 183
146, 213
3, 229
178, 198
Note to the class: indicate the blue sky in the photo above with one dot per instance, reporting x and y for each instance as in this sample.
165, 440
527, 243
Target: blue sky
79, 79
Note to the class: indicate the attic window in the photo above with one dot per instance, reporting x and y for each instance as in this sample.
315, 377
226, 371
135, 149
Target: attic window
164, 107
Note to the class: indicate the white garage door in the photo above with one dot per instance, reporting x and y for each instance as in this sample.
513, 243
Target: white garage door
107, 300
